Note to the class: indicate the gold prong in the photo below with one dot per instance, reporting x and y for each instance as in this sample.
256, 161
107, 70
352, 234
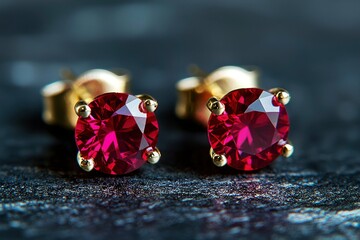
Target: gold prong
215, 106
148, 103
82, 109
85, 164
287, 150
218, 159
281, 94
153, 156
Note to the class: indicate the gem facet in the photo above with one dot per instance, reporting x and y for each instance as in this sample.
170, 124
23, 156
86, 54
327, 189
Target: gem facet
117, 133
252, 130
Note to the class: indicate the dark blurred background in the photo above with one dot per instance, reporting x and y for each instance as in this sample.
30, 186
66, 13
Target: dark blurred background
311, 48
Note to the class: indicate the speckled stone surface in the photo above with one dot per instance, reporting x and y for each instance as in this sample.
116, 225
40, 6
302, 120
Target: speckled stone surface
310, 48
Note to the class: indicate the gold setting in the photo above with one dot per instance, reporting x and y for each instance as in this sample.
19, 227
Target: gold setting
82, 109
218, 159
215, 106
148, 104
287, 150
85, 164
281, 94
154, 156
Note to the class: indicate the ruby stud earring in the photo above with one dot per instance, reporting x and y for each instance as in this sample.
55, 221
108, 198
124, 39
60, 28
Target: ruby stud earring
115, 132
247, 127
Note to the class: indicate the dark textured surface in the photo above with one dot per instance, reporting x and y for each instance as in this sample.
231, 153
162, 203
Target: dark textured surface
311, 48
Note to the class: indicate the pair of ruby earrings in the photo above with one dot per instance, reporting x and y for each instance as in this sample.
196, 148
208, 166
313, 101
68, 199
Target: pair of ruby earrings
116, 133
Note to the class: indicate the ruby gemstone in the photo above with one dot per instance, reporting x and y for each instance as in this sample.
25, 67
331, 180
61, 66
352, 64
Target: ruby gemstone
252, 130
117, 134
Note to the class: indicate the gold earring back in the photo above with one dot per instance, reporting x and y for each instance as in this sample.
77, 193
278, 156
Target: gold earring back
59, 98
194, 92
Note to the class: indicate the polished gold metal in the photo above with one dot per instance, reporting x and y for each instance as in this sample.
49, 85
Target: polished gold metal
287, 150
194, 92
60, 97
215, 106
82, 109
55, 95
154, 156
218, 159
281, 94
85, 164
149, 104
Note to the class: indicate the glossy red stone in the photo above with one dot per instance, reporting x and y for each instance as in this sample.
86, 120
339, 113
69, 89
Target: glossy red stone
117, 133
252, 130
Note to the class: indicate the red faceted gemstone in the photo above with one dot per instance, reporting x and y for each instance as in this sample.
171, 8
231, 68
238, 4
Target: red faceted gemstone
252, 130
117, 134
